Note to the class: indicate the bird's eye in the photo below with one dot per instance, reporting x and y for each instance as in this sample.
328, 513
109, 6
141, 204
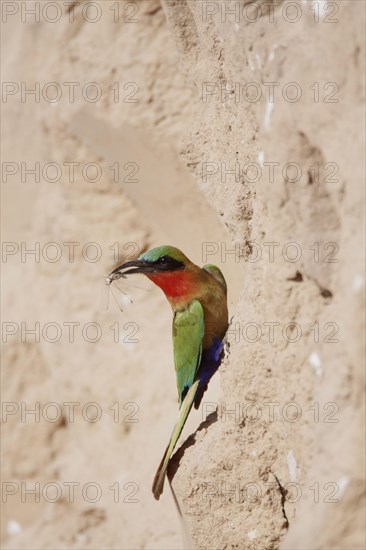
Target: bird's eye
164, 260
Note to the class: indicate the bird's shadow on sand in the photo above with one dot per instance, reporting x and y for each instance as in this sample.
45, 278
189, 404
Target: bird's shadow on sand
191, 440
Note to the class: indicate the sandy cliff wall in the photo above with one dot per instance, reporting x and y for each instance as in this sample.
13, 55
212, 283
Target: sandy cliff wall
262, 470
278, 179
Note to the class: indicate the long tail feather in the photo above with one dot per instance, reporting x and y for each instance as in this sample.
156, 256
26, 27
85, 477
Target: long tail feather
184, 410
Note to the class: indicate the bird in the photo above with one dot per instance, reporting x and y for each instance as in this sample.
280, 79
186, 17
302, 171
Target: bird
198, 297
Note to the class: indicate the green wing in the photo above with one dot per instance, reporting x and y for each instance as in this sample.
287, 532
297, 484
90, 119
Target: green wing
188, 330
216, 272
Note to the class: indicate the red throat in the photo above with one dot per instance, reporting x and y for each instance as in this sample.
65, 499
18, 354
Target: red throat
174, 284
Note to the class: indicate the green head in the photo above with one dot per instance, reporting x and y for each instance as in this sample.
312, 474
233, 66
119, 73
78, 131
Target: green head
157, 260
164, 254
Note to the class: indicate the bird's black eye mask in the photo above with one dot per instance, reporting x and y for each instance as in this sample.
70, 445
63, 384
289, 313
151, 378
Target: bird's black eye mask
167, 263
164, 263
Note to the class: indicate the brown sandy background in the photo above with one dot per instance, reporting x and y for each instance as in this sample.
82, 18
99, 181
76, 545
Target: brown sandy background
275, 475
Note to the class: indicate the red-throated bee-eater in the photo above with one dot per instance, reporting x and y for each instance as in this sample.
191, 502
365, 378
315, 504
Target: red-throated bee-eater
198, 299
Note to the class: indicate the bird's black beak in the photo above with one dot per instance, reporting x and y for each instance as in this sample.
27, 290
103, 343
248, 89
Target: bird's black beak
135, 266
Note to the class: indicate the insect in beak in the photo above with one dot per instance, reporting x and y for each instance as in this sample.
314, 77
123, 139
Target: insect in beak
113, 276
